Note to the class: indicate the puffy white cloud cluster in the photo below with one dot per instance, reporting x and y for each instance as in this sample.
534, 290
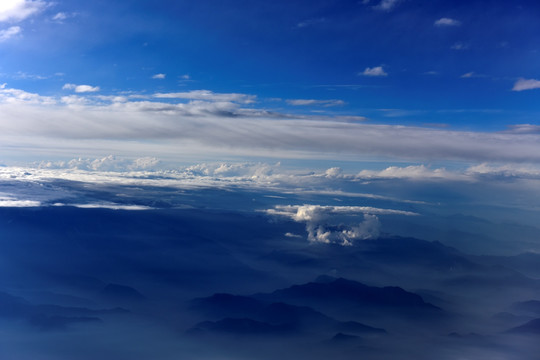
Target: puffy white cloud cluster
107, 163
341, 225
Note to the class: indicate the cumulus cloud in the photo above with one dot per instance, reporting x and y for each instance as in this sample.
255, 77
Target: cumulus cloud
18, 10
107, 163
336, 224
81, 88
374, 71
208, 96
306, 102
526, 84
159, 76
21, 97
443, 22
9, 33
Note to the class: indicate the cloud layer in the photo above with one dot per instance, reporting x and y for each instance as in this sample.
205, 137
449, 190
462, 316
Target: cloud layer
212, 123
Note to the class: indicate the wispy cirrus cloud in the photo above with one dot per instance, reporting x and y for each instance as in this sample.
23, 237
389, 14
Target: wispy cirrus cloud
9, 33
526, 84
308, 102
208, 96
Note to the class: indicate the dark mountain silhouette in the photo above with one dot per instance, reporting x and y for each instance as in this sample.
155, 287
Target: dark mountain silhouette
238, 326
340, 338
531, 327
45, 323
416, 252
341, 291
49, 316
282, 317
531, 306
526, 263
221, 305
116, 292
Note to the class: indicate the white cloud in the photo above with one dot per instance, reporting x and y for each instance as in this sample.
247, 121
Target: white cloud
318, 212
207, 95
61, 16
442, 22
11, 202
374, 71
526, 84
504, 171
81, 88
291, 235
21, 97
468, 75
306, 102
420, 172
111, 206
9, 33
386, 5
159, 76
18, 10
107, 163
